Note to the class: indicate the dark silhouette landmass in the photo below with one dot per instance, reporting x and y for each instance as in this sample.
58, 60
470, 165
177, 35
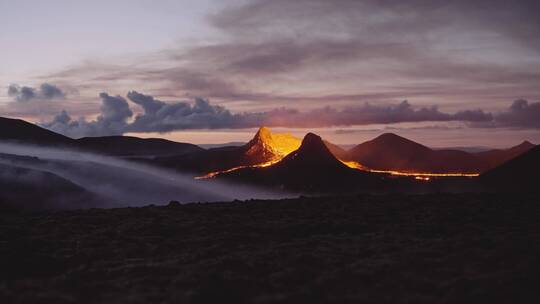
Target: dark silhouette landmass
497, 157
392, 152
128, 146
517, 175
358, 249
314, 166
311, 168
20, 131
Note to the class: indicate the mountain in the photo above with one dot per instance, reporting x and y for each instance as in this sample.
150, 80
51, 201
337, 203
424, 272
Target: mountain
392, 152
134, 146
336, 150
20, 131
494, 158
311, 168
518, 174
265, 147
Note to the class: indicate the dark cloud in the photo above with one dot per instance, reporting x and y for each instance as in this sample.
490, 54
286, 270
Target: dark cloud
50, 91
163, 117
521, 114
46, 91
160, 116
21, 94
113, 120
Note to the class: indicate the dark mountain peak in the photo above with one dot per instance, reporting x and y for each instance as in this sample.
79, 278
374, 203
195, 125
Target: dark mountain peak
526, 144
521, 148
24, 132
313, 145
312, 141
394, 139
517, 174
390, 136
313, 152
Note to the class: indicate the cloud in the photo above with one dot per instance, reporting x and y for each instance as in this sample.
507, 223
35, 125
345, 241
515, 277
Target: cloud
521, 114
159, 116
280, 51
46, 91
113, 120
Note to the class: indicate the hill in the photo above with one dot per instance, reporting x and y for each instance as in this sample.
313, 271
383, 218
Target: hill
392, 152
20, 131
494, 158
518, 174
311, 168
128, 146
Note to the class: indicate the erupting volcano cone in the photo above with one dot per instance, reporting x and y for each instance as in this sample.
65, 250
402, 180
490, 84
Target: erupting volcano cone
267, 146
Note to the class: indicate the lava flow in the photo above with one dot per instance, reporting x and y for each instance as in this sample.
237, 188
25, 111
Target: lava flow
426, 176
272, 148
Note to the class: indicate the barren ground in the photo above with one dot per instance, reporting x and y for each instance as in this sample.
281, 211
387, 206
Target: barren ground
398, 249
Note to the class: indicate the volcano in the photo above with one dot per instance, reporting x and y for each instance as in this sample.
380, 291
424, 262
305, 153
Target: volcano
265, 148
391, 152
311, 168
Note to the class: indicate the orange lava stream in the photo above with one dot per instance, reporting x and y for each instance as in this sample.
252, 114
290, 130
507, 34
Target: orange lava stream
423, 176
417, 175
216, 173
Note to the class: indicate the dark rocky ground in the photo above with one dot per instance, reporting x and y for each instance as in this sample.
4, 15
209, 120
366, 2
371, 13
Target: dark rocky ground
394, 249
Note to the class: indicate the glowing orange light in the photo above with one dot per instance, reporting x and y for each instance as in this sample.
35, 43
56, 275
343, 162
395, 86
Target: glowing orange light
280, 145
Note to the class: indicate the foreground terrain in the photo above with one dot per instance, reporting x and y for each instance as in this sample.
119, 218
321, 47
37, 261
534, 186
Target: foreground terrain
420, 249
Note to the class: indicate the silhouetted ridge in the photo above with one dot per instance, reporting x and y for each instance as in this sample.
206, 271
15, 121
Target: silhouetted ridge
518, 174
392, 152
394, 141
134, 146
24, 132
495, 158
313, 143
312, 154
525, 145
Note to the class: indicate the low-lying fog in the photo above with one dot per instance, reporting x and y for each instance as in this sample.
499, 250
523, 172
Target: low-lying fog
120, 182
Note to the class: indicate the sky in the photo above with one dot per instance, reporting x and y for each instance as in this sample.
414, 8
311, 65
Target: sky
444, 73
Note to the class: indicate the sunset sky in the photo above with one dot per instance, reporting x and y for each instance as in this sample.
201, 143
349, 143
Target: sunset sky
444, 73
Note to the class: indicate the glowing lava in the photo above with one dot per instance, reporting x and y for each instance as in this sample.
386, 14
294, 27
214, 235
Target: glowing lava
267, 147
425, 176
273, 147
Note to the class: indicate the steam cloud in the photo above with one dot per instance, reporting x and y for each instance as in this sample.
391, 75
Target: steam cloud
117, 182
117, 118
